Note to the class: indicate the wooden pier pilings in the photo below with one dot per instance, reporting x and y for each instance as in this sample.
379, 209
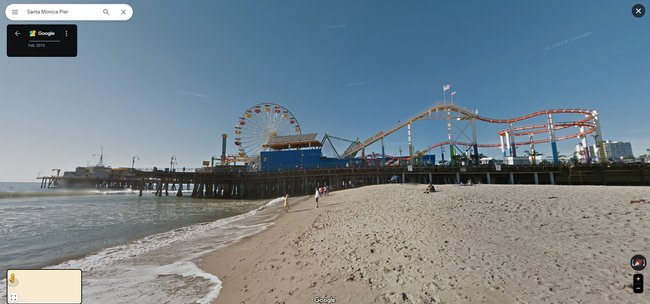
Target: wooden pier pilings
252, 185
258, 185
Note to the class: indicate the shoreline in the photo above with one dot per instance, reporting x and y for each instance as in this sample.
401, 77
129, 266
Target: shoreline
484, 244
163, 265
62, 194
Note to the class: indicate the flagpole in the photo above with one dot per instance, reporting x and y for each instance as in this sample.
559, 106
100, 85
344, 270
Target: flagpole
445, 88
444, 96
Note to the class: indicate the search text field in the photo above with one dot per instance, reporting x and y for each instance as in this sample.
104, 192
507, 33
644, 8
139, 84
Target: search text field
69, 12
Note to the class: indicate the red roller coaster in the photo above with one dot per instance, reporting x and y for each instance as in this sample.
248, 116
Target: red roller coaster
587, 123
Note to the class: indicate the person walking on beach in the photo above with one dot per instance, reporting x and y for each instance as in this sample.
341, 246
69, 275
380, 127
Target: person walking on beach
286, 203
317, 196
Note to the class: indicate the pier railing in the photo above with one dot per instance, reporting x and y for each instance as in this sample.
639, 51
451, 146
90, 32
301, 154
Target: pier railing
236, 182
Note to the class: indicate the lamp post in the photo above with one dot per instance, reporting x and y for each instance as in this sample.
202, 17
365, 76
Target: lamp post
133, 161
172, 162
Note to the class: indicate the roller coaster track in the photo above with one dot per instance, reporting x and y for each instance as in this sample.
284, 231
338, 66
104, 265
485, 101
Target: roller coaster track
588, 122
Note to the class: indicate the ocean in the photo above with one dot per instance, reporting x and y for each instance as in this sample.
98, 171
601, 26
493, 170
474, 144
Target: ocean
130, 248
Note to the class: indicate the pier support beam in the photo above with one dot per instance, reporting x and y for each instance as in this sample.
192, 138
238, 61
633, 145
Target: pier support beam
200, 191
511, 178
208, 190
489, 180
551, 177
457, 178
536, 178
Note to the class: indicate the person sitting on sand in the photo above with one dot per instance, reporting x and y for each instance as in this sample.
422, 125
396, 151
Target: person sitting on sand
469, 182
317, 196
430, 188
286, 203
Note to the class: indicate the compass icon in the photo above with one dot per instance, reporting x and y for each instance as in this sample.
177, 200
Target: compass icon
638, 262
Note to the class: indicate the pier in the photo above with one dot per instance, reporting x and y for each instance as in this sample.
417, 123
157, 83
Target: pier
294, 163
239, 184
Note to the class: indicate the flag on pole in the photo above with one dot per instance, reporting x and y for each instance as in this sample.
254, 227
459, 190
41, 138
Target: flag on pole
453, 93
446, 87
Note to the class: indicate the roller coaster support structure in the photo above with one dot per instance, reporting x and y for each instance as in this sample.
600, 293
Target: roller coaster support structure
474, 140
383, 153
599, 138
508, 143
551, 134
588, 123
410, 144
532, 153
450, 137
513, 152
585, 145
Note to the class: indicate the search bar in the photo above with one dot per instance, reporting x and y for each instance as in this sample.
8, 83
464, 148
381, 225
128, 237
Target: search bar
69, 12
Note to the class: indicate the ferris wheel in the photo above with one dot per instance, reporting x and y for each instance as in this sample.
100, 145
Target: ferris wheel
261, 123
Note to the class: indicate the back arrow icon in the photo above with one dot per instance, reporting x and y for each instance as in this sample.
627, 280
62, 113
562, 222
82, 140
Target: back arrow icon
17, 33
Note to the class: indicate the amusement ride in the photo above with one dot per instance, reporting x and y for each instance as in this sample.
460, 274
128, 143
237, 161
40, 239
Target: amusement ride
264, 121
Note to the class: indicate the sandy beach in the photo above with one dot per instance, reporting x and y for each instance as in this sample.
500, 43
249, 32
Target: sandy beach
479, 244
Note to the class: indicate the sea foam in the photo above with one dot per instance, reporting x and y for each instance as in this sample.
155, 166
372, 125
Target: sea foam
163, 267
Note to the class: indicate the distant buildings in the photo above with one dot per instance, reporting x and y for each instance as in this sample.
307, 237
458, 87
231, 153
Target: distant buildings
517, 161
617, 150
593, 152
614, 150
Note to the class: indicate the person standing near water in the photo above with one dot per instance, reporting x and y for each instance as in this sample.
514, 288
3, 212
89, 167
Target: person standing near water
317, 196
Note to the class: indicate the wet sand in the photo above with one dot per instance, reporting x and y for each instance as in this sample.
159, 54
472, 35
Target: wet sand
479, 244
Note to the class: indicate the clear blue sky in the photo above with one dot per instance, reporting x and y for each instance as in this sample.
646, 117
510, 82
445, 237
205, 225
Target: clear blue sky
180, 73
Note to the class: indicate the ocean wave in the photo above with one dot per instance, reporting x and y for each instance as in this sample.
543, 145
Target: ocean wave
75, 192
147, 267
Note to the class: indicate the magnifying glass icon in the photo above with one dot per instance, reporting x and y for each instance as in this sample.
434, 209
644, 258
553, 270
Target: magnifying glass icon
106, 12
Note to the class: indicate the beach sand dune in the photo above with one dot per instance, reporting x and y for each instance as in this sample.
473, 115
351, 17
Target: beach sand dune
480, 244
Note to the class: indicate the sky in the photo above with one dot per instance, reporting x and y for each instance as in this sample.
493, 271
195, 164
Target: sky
179, 73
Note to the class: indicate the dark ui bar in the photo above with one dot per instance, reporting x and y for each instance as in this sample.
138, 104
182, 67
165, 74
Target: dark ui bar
42, 40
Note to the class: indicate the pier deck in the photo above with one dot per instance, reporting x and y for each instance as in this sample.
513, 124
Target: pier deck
236, 183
